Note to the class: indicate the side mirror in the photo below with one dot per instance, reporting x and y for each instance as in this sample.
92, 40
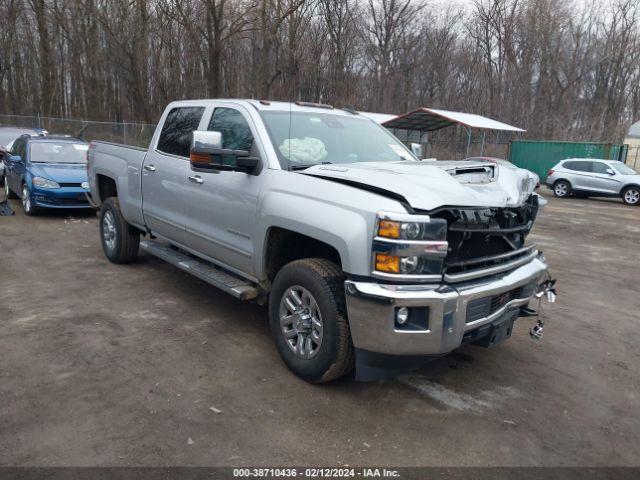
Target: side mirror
610, 171
207, 154
15, 158
416, 148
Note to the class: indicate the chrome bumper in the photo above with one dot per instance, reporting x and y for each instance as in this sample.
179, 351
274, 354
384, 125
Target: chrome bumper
371, 308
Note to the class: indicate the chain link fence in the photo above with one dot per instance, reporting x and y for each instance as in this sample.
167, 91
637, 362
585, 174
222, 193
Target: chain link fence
633, 157
138, 134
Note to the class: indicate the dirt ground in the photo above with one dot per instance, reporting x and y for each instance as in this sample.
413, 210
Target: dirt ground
124, 365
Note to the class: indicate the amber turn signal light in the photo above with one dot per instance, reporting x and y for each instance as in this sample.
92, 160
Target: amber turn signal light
387, 263
389, 229
199, 158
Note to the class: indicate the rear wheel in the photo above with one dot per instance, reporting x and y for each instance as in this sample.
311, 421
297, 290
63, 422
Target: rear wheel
120, 241
308, 320
9, 195
561, 189
27, 205
631, 195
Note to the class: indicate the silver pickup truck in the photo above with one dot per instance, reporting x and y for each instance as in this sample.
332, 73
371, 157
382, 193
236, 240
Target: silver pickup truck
366, 256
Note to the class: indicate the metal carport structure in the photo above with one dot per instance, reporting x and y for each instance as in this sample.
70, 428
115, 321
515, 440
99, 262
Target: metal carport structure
430, 119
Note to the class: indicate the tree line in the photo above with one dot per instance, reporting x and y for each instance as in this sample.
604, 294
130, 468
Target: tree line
561, 69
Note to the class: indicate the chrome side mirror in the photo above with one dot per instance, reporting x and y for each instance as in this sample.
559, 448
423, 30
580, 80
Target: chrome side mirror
206, 142
610, 171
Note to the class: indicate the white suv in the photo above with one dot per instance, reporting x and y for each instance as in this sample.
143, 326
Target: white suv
588, 177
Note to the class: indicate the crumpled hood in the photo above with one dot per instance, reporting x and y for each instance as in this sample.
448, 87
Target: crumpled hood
426, 185
60, 172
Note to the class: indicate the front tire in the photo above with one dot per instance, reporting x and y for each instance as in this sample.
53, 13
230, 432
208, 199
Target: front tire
631, 195
308, 320
562, 189
27, 205
120, 241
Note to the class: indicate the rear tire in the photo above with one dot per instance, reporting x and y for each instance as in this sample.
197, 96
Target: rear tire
9, 195
631, 195
315, 288
562, 189
120, 241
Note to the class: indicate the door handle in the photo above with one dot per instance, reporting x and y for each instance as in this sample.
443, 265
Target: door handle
196, 179
150, 168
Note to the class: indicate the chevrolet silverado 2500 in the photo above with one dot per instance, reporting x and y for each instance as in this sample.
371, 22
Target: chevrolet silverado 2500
366, 256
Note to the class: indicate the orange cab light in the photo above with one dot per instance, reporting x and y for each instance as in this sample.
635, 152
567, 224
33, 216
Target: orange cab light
387, 263
389, 229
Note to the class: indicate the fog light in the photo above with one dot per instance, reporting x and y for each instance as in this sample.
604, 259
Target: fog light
402, 315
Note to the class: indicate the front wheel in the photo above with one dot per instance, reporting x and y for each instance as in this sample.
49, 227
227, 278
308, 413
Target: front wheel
631, 195
27, 205
120, 241
307, 316
561, 189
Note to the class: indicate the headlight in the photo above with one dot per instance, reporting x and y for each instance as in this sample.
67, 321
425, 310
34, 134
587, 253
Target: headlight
44, 183
410, 245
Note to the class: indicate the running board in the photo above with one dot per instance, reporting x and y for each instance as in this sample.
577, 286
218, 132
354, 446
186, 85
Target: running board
215, 276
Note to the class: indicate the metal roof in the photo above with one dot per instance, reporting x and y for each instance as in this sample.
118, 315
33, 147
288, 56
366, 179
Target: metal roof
378, 117
430, 119
634, 131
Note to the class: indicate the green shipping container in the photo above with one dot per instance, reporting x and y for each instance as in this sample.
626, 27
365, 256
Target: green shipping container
540, 156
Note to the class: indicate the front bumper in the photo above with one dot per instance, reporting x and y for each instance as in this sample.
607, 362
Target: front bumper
66, 197
372, 307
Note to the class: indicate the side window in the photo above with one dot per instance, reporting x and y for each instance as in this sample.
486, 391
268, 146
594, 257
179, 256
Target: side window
17, 147
581, 166
599, 167
236, 134
569, 165
177, 130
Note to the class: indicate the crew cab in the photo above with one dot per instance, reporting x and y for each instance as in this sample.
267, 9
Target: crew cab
366, 256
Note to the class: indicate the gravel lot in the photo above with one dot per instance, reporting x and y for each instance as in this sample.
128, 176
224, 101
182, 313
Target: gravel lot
124, 365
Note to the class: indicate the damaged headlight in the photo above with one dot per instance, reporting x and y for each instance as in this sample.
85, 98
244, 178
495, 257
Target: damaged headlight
409, 245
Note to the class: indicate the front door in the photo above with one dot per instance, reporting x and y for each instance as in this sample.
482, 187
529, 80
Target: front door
14, 171
164, 172
222, 210
602, 181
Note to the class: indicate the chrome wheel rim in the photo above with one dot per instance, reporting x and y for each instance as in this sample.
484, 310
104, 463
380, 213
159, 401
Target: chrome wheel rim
301, 322
632, 196
26, 201
561, 190
109, 230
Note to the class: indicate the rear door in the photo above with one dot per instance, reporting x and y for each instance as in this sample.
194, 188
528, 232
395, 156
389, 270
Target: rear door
581, 172
164, 172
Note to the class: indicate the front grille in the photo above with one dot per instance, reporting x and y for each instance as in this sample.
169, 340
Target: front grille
484, 238
485, 306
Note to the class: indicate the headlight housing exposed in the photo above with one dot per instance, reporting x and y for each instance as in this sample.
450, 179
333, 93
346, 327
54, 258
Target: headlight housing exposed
44, 183
410, 247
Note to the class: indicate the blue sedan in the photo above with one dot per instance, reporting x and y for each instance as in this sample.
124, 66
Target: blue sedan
47, 172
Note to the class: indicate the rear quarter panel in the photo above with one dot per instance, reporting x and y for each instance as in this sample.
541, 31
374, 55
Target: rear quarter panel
123, 164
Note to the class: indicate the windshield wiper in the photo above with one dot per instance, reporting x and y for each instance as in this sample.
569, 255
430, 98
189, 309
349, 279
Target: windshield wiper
304, 166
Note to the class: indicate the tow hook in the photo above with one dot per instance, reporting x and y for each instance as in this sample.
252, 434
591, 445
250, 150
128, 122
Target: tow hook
546, 289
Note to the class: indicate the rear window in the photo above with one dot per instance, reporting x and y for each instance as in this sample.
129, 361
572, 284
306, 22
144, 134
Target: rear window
578, 166
177, 130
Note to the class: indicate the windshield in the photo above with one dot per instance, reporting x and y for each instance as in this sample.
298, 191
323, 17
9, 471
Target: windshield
302, 139
623, 169
63, 152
